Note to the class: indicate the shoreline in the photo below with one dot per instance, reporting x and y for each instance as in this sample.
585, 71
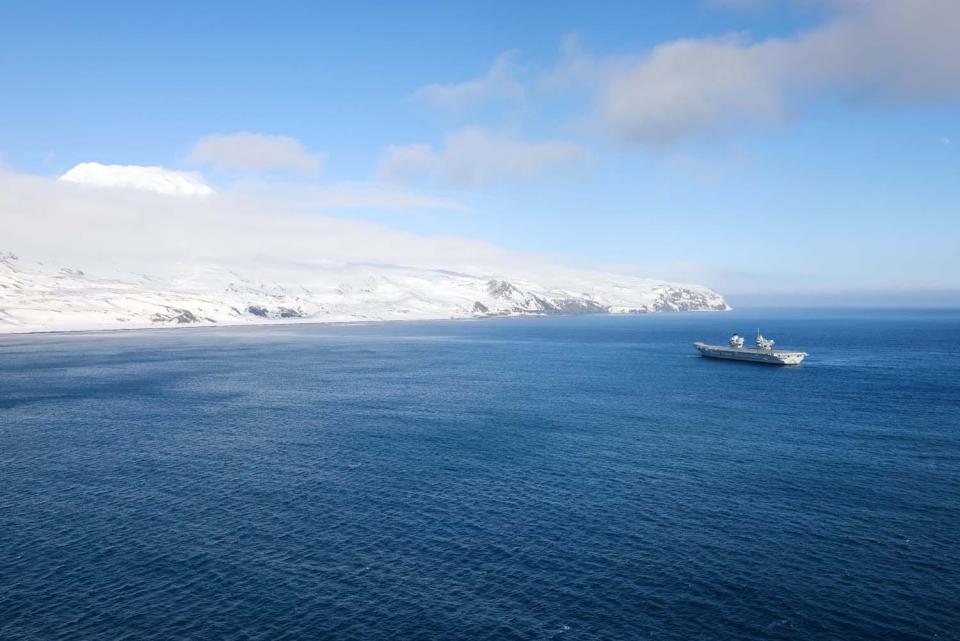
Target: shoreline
289, 323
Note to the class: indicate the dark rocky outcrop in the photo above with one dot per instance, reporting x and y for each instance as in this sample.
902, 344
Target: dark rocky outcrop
279, 312
176, 315
685, 300
502, 289
578, 306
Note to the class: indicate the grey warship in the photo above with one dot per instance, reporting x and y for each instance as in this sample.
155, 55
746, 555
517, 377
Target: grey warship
762, 353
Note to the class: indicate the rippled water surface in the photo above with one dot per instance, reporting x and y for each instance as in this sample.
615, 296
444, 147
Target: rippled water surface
571, 478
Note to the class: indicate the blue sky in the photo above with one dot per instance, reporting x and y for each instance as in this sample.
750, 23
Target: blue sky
758, 147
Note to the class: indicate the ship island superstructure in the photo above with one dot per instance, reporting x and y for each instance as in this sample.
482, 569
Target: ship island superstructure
762, 353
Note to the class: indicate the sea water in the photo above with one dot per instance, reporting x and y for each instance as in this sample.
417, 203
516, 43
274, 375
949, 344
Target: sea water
532, 478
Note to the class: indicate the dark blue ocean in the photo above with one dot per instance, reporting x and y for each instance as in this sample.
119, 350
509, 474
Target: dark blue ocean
582, 478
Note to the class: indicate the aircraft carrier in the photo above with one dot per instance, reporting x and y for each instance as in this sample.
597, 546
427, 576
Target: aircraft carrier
762, 353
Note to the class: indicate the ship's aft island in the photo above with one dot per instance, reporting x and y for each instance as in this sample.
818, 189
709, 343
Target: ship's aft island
762, 353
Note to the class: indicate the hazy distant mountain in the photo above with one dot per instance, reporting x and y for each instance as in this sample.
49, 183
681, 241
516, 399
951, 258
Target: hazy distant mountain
36, 296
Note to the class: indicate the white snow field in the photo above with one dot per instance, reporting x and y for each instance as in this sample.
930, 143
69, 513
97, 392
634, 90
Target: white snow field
40, 296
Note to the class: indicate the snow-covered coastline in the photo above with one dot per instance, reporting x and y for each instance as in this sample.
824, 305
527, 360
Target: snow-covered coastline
42, 297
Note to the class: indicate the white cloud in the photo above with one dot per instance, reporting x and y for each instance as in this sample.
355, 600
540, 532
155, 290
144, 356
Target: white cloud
246, 151
338, 196
885, 50
474, 157
499, 82
154, 179
149, 232
690, 85
364, 195
342, 196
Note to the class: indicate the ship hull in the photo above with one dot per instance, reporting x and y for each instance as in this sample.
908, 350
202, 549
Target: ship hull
751, 355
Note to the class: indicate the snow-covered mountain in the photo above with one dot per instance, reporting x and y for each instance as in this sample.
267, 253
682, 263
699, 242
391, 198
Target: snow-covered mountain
39, 296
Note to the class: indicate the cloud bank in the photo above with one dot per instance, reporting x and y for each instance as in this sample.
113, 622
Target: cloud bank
143, 230
245, 151
889, 51
871, 52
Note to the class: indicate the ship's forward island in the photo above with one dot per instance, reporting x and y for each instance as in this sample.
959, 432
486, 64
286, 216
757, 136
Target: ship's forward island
762, 353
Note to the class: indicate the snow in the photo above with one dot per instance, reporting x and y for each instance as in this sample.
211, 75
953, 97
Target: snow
155, 179
37, 296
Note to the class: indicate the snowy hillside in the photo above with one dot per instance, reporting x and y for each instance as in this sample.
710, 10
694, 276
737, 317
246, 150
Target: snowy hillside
37, 296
